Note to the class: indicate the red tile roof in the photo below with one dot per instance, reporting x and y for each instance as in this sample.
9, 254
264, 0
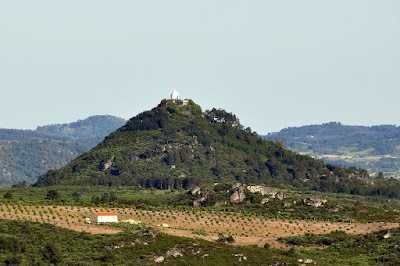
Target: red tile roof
105, 214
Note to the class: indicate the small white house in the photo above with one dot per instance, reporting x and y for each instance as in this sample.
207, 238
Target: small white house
105, 217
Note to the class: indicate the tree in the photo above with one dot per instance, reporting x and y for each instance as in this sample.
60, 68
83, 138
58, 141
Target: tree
52, 254
8, 195
95, 200
77, 196
52, 195
12, 261
108, 197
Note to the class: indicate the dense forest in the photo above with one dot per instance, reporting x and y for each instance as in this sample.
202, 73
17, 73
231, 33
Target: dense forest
176, 145
27, 154
375, 148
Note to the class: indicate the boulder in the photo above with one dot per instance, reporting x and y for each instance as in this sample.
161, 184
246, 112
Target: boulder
387, 236
308, 261
315, 202
264, 201
263, 190
195, 191
165, 225
105, 165
238, 194
225, 238
237, 197
175, 253
160, 259
280, 196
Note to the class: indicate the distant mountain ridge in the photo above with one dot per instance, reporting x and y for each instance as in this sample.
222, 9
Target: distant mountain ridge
88, 131
27, 154
375, 148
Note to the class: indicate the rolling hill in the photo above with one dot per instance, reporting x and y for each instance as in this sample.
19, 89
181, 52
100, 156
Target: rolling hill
375, 148
177, 145
27, 154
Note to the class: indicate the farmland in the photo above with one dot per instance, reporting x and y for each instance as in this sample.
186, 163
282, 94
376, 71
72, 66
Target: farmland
339, 207
246, 230
278, 232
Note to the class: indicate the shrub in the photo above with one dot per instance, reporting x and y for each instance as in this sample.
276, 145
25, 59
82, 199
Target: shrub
52, 195
225, 238
8, 195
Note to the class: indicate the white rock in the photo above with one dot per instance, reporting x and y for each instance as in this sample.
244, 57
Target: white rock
164, 226
160, 259
387, 236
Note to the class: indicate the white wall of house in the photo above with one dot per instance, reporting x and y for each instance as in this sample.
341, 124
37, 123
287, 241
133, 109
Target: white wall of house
106, 219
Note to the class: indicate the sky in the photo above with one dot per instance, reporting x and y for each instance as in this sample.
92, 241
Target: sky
273, 63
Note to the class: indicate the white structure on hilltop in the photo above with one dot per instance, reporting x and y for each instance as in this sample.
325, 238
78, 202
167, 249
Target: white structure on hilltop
105, 217
175, 95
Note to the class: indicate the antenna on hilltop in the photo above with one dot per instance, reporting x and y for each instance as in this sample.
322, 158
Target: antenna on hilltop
175, 95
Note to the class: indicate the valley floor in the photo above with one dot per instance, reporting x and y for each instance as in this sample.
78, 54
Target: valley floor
246, 229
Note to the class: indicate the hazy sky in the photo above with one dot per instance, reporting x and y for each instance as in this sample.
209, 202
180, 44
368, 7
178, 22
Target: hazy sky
274, 63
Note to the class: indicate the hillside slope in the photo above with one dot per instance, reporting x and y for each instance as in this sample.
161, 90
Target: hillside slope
176, 145
375, 148
27, 154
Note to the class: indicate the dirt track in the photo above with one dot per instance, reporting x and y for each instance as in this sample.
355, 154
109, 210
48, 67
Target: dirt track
246, 230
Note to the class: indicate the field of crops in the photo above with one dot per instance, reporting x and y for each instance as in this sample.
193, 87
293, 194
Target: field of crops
246, 229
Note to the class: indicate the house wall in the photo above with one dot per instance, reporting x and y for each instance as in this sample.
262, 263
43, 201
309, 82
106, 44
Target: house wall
107, 219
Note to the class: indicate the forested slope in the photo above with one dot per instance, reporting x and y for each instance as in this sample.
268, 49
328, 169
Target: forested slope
27, 154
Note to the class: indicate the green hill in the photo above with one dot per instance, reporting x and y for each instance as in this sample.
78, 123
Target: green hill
375, 148
177, 145
27, 154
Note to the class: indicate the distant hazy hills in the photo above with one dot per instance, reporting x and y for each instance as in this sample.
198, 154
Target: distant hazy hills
375, 148
26, 154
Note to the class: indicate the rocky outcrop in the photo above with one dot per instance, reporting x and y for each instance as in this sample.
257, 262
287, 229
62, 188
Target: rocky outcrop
238, 194
202, 197
195, 191
174, 253
237, 197
225, 238
200, 202
315, 202
106, 165
263, 190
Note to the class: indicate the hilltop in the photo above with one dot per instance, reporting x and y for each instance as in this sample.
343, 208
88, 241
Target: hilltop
177, 145
27, 154
375, 148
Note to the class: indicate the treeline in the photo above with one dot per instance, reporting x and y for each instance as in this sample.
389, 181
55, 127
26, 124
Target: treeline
388, 188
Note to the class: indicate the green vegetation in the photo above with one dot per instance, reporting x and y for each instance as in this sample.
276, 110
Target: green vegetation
176, 157
316, 240
380, 248
27, 154
23, 243
373, 148
176, 145
339, 207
